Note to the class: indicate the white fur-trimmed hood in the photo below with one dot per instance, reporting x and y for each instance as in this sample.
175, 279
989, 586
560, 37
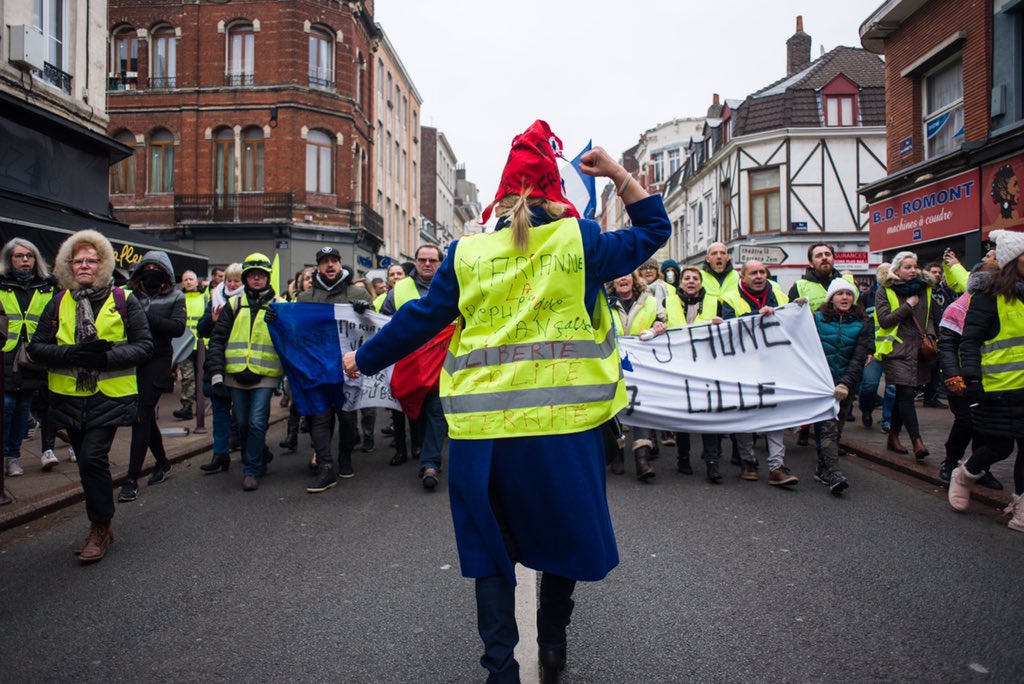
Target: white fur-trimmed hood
62, 266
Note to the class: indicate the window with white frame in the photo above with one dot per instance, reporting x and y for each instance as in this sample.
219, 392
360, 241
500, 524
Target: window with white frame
839, 110
164, 63
50, 17
321, 59
944, 108
241, 60
657, 167
765, 204
673, 161
319, 163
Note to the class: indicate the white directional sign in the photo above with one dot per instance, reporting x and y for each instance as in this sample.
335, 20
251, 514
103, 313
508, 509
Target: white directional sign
769, 255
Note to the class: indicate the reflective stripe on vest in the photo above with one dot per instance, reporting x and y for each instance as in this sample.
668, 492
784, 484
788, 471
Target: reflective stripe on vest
527, 358
676, 316
195, 307
1002, 357
18, 321
405, 292
742, 307
886, 338
109, 326
249, 346
645, 317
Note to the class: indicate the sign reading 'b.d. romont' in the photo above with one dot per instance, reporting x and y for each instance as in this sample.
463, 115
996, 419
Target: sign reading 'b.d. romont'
934, 211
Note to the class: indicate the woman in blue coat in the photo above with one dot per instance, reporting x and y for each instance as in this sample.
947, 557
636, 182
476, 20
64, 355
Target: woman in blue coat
529, 489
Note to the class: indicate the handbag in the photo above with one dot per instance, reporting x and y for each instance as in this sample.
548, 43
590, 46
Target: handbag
929, 349
23, 362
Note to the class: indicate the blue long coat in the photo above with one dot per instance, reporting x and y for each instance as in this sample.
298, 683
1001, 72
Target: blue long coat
550, 489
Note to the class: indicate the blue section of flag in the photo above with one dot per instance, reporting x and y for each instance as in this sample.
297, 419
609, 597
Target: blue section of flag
308, 335
589, 182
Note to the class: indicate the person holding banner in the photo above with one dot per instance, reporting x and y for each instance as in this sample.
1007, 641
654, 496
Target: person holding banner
720, 278
903, 315
527, 481
332, 284
754, 295
152, 283
638, 310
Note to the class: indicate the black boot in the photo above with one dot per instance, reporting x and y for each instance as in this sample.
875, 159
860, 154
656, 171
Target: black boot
683, 464
325, 479
399, 458
219, 462
714, 476
291, 440
552, 662
184, 413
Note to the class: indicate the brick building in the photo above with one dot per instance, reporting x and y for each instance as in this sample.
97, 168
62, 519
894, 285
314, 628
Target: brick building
437, 188
954, 84
251, 124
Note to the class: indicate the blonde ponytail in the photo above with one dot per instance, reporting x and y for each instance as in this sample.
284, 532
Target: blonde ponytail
518, 210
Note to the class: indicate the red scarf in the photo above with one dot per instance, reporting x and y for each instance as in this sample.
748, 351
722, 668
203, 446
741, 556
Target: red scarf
762, 300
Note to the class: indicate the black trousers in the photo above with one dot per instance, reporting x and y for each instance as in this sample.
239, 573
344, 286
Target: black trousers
710, 445
904, 413
92, 447
961, 432
321, 430
992, 451
145, 436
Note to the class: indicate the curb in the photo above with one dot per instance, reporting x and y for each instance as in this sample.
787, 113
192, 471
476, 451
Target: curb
988, 497
35, 508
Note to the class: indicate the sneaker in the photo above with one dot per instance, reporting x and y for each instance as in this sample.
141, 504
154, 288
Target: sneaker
250, 483
71, 455
159, 473
345, 470
12, 468
748, 471
945, 471
866, 420
49, 459
885, 427
129, 492
668, 441
325, 479
781, 476
429, 477
837, 483
367, 444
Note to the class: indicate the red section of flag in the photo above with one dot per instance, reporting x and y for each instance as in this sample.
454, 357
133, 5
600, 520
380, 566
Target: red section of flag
419, 374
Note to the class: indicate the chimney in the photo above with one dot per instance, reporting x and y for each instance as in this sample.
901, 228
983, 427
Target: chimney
798, 49
715, 110
715, 99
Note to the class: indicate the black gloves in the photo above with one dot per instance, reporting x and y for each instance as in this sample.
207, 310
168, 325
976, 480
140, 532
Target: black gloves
87, 359
974, 392
360, 307
101, 346
271, 315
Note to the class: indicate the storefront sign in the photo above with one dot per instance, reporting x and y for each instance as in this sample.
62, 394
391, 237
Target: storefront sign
935, 211
848, 260
1000, 185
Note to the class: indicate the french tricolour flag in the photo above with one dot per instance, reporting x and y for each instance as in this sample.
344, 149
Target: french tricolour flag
579, 188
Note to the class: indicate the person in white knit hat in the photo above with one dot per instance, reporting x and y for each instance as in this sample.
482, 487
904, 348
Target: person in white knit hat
846, 338
992, 360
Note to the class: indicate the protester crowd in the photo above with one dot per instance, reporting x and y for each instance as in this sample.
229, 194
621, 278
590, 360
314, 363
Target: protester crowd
83, 357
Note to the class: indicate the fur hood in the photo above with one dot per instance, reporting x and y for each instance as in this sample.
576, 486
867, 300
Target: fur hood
886, 278
62, 266
42, 270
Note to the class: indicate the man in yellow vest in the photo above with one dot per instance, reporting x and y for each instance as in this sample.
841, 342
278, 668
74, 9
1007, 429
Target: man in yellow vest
758, 295
25, 290
430, 429
91, 337
242, 357
719, 276
195, 307
819, 275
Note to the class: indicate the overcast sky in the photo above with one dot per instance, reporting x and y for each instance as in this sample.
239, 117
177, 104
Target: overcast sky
592, 68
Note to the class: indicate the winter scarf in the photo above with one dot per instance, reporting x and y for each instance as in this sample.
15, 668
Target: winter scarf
912, 287
85, 330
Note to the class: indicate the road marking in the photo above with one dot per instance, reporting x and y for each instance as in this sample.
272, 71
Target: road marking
526, 618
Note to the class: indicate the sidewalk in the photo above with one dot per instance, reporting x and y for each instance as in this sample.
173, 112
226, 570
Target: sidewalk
37, 493
935, 424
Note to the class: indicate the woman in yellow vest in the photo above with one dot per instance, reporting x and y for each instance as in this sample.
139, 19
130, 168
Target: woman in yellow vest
91, 337
637, 310
534, 372
904, 295
992, 361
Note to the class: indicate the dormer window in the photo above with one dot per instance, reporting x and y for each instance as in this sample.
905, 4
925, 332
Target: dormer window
839, 102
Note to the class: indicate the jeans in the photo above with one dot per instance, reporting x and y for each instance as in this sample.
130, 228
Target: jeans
92, 446
868, 393
368, 422
145, 436
435, 434
221, 425
321, 429
17, 406
776, 449
252, 409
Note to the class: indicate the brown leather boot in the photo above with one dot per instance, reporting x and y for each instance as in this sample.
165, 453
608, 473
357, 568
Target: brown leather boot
920, 450
892, 443
644, 470
618, 463
101, 536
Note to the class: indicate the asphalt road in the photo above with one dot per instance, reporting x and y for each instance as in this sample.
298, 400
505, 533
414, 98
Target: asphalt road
736, 583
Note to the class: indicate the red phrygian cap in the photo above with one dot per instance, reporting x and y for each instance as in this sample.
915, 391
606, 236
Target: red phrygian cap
532, 167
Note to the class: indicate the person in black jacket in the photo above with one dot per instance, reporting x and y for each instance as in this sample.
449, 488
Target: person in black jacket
91, 337
152, 283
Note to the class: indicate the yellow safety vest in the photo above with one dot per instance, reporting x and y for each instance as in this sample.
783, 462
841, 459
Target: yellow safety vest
110, 327
956, 277
18, 320
527, 358
645, 317
195, 307
674, 308
378, 301
742, 307
816, 292
713, 292
886, 338
405, 292
249, 345
1002, 357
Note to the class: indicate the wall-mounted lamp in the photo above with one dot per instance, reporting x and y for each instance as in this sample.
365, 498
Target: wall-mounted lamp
273, 117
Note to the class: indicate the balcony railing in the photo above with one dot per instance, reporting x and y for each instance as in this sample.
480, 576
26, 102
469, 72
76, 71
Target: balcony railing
246, 207
366, 218
125, 81
322, 79
163, 82
240, 79
56, 77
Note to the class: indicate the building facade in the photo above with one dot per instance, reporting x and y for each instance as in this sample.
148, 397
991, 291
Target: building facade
955, 84
773, 173
251, 126
397, 155
437, 188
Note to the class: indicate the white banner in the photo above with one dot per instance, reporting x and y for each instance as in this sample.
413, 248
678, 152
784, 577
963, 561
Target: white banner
750, 374
366, 391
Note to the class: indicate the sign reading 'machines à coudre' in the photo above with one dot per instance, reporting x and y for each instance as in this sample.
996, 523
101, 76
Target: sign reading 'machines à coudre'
932, 212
